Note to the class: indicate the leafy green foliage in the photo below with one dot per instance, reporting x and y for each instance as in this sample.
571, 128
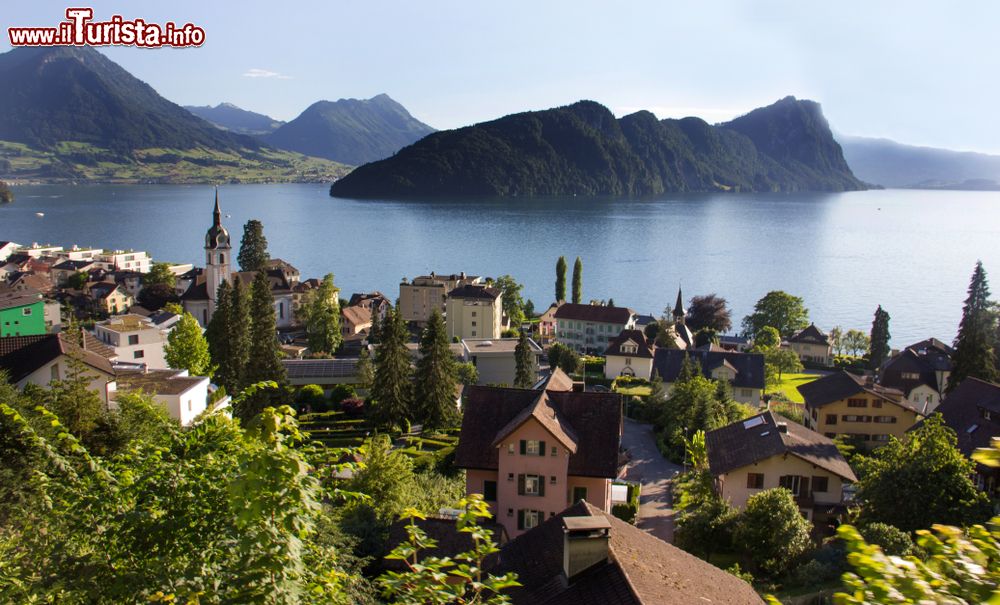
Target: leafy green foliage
921, 480
320, 312
435, 377
780, 310
856, 342
879, 349
459, 579
513, 304
253, 255
365, 370
704, 520
709, 311
78, 281
564, 358
187, 349
778, 361
561, 279
159, 273
974, 355
891, 540
467, 373
577, 280
772, 531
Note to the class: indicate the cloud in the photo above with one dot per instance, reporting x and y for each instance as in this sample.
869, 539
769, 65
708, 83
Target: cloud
256, 72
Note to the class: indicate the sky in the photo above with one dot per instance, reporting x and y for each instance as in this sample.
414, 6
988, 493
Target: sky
923, 73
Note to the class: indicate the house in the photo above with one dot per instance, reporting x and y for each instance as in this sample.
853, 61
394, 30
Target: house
22, 313
589, 328
283, 278
110, 298
419, 298
474, 311
533, 452
65, 269
744, 372
629, 354
767, 451
137, 339
812, 345
972, 410
920, 371
183, 396
355, 320
457, 349
375, 302
124, 260
38, 251
19, 281
547, 322
584, 556
855, 406
740, 344
6, 249
495, 361
40, 359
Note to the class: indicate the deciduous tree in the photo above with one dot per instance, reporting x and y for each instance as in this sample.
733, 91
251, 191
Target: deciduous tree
320, 312
777, 309
513, 304
187, 349
771, 531
856, 342
709, 311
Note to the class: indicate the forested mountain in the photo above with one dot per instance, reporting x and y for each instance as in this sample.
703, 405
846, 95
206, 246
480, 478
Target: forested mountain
72, 113
582, 149
893, 164
351, 131
236, 119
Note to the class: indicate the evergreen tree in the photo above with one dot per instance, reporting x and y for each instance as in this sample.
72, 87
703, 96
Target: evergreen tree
974, 354
253, 254
321, 312
436, 377
187, 349
524, 362
577, 281
392, 393
264, 363
561, 279
217, 335
365, 371
239, 337
879, 347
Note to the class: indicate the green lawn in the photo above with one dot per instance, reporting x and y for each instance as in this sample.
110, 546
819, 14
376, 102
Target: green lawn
789, 382
641, 391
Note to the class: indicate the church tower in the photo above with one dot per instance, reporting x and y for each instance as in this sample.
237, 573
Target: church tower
679, 311
218, 256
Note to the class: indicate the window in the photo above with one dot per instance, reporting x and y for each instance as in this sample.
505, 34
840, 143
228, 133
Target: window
555, 450
820, 484
746, 393
552, 480
755, 480
877, 403
885, 419
531, 485
831, 419
855, 418
791, 482
628, 361
138, 354
510, 448
532, 447
579, 493
857, 403
527, 519
281, 310
473, 324
133, 339
473, 314
880, 437
490, 491
55, 371
510, 476
26, 311
510, 512
910, 376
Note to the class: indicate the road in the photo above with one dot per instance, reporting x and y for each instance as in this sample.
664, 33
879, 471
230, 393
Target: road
654, 472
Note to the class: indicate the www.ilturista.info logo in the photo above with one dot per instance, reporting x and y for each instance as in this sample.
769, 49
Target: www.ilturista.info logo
79, 29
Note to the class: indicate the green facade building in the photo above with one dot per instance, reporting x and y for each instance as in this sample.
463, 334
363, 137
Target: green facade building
22, 314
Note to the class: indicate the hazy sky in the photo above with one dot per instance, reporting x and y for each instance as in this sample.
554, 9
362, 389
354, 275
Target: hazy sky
918, 72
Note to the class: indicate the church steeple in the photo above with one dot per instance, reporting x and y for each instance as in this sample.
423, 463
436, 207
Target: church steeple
217, 213
217, 237
679, 311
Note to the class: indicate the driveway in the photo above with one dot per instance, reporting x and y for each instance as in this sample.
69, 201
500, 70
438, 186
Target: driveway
654, 472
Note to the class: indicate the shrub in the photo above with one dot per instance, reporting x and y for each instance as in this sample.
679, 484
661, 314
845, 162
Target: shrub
890, 538
340, 392
311, 396
353, 406
626, 512
771, 531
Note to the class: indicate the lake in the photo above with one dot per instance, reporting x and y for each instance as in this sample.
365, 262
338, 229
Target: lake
845, 253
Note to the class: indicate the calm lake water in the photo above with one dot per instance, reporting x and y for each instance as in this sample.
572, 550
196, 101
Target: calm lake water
910, 251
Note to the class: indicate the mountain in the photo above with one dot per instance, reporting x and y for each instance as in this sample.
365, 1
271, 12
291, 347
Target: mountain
582, 149
72, 113
352, 131
230, 117
893, 164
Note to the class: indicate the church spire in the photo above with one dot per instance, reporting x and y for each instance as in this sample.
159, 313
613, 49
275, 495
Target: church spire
217, 213
679, 306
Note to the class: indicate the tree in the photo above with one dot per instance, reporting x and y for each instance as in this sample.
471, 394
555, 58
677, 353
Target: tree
435, 377
780, 310
253, 255
561, 279
836, 338
921, 480
320, 313
187, 349
704, 520
386, 476
78, 281
709, 311
217, 335
856, 342
768, 338
159, 273
696, 403
706, 336
577, 281
6, 195
771, 531
564, 358
974, 354
238, 360
467, 373
529, 309
524, 363
156, 296
652, 331
392, 394
782, 361
78, 407
513, 304
365, 370
264, 360
665, 335
879, 341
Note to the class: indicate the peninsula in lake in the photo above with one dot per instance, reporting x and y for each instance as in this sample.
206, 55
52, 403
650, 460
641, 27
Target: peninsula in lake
582, 149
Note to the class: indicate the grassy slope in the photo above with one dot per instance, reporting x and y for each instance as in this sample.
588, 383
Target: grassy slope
789, 382
84, 162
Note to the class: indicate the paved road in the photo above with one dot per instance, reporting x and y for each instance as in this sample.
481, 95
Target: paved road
654, 472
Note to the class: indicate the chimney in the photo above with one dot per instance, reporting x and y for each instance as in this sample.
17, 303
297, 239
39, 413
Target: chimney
462, 275
782, 427
585, 543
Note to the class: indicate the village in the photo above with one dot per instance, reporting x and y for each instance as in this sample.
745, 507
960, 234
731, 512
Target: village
601, 438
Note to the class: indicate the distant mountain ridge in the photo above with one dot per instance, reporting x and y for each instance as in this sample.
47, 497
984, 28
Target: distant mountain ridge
893, 164
236, 119
70, 113
582, 149
351, 131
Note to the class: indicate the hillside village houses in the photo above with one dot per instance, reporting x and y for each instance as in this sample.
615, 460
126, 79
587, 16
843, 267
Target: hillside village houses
744, 372
419, 298
474, 311
589, 328
920, 371
811, 345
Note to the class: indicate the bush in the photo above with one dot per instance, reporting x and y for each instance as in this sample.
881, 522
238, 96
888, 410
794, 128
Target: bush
353, 406
625, 512
311, 397
631, 381
771, 531
891, 539
340, 392
746, 576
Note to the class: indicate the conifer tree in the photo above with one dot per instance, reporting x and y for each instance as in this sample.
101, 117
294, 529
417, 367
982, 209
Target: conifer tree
524, 374
561, 279
264, 362
187, 349
879, 347
577, 281
436, 377
688, 369
322, 317
217, 335
239, 337
392, 393
974, 355
365, 370
253, 254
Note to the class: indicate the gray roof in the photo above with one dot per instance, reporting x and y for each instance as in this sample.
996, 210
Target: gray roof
749, 366
320, 368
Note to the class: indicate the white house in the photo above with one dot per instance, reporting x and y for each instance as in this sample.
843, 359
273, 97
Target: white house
589, 328
40, 359
629, 354
495, 360
136, 339
183, 395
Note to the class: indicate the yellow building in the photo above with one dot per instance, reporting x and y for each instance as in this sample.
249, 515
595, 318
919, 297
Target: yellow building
812, 345
474, 312
419, 298
854, 406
